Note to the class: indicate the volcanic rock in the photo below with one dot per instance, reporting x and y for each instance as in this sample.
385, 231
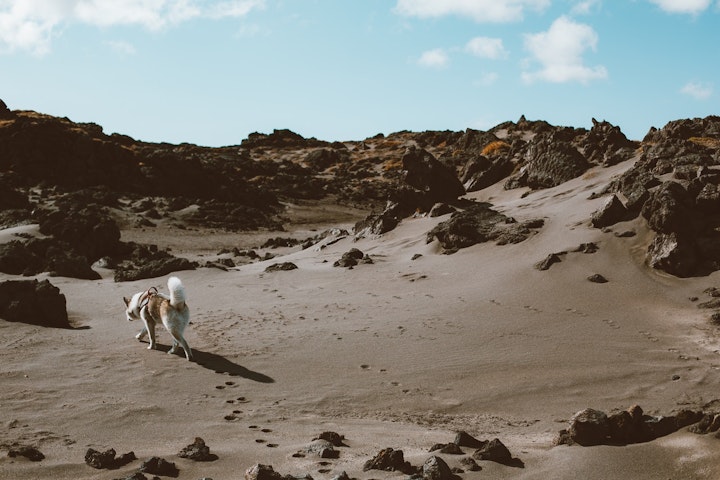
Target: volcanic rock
34, 302
435, 468
464, 439
281, 267
447, 448
334, 438
323, 449
389, 460
159, 466
496, 451
107, 459
612, 212
31, 453
198, 451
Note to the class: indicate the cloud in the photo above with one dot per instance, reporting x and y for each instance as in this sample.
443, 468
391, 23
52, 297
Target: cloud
559, 51
485, 47
697, 90
30, 25
494, 11
436, 58
683, 6
585, 7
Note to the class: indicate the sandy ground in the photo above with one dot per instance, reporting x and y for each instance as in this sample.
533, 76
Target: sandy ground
400, 353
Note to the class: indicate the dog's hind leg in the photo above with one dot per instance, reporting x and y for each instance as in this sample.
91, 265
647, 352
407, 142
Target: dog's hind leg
149, 327
179, 339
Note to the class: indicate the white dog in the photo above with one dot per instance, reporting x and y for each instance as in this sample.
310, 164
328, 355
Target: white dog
153, 307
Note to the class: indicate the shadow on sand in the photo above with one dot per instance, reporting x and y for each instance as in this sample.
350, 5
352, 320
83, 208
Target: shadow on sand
220, 364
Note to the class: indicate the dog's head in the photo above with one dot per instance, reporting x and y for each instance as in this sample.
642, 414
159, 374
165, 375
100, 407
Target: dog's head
132, 307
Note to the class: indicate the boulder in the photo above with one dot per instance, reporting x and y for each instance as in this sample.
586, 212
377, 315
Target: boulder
447, 448
589, 427
159, 466
107, 459
198, 451
5, 112
496, 451
31, 453
435, 468
281, 267
674, 254
262, 472
34, 302
389, 460
426, 174
464, 439
323, 449
334, 438
612, 212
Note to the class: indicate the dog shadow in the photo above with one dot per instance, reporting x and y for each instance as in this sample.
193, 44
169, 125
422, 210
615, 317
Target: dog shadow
220, 364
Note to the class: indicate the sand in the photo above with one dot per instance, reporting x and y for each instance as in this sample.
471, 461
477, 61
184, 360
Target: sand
400, 353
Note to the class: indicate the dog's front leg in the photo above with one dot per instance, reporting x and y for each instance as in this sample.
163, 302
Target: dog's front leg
149, 327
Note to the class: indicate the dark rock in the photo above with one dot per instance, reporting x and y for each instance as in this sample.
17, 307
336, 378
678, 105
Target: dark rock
159, 466
146, 261
31, 453
496, 451
549, 261
389, 460
107, 459
590, 247
5, 112
440, 209
708, 423
324, 158
464, 439
606, 145
350, 258
30, 301
435, 468
426, 174
447, 448
198, 451
597, 278
262, 472
550, 159
589, 427
674, 254
611, 213
666, 210
341, 476
334, 438
281, 267
470, 464
477, 223
134, 476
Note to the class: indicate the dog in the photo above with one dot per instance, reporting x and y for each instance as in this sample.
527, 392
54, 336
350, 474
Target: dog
153, 307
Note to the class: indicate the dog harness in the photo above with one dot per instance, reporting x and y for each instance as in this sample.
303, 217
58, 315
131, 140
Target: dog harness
145, 297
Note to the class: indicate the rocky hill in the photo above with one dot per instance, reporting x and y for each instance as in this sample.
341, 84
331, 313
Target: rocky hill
72, 179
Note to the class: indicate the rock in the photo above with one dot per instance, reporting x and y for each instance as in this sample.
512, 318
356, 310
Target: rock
606, 145
389, 460
447, 448
464, 439
708, 423
440, 209
589, 247
673, 254
350, 258
281, 267
324, 158
334, 438
323, 449
107, 459
477, 223
435, 468
198, 451
550, 159
609, 214
589, 427
159, 466
666, 210
426, 174
496, 451
549, 261
134, 476
262, 472
470, 464
31, 453
341, 476
5, 112
597, 278
30, 301
146, 261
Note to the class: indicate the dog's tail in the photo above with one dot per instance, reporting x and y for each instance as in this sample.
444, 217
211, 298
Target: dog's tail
177, 292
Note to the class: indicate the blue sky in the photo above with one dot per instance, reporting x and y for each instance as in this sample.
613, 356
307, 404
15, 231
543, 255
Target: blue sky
211, 72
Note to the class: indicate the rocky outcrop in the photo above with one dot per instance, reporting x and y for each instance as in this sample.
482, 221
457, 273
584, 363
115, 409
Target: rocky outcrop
479, 223
391, 460
198, 451
674, 186
593, 427
34, 302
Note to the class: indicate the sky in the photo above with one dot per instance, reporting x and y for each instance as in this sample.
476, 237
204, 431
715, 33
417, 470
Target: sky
210, 72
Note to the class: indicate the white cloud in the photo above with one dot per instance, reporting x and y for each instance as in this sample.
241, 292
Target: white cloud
436, 58
477, 10
697, 90
585, 7
559, 51
29, 25
683, 6
486, 47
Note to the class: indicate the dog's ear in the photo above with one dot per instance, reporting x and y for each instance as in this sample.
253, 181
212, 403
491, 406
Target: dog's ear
126, 300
